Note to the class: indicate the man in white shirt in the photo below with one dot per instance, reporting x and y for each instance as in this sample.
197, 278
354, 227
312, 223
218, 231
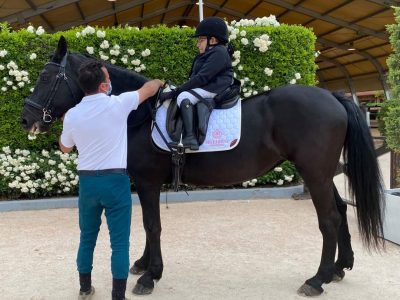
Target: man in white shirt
97, 126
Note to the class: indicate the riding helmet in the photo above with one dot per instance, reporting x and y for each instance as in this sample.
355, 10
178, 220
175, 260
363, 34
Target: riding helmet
213, 26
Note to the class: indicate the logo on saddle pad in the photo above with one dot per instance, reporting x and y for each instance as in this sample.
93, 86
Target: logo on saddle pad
217, 134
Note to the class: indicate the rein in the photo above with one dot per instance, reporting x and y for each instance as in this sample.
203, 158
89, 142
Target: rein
60, 77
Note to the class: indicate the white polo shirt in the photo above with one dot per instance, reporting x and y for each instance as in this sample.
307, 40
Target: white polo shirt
98, 128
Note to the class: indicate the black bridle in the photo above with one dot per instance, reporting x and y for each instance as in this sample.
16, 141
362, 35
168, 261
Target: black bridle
60, 77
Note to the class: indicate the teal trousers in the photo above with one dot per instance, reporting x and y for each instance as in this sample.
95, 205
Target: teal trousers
109, 193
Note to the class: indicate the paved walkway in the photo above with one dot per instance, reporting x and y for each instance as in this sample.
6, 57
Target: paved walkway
258, 249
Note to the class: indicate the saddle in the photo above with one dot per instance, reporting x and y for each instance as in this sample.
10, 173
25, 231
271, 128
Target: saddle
202, 111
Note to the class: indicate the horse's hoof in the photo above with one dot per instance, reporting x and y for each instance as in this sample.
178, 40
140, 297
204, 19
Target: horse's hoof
308, 291
338, 275
140, 289
136, 270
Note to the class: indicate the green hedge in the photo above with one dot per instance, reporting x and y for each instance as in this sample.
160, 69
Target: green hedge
172, 50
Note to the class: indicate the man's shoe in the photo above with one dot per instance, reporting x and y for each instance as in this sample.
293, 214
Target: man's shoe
86, 295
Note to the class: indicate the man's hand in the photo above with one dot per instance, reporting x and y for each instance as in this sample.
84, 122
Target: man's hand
150, 88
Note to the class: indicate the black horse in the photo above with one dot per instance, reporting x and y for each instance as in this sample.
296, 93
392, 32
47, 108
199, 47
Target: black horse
308, 126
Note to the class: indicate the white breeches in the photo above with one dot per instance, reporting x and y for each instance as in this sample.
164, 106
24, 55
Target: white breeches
186, 95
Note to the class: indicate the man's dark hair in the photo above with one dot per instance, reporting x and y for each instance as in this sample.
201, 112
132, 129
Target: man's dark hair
91, 75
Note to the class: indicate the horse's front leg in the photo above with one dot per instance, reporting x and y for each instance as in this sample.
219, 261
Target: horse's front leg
151, 262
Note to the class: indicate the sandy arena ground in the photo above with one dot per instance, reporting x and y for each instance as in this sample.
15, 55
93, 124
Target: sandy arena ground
258, 249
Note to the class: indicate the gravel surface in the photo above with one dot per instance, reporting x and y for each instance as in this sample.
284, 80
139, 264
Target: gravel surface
257, 249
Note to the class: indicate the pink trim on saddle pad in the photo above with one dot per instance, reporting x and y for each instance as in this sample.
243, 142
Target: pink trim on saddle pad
223, 131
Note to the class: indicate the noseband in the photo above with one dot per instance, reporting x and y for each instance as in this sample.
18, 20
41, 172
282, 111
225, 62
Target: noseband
60, 77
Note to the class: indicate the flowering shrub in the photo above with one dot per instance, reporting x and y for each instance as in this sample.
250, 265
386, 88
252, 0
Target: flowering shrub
30, 175
285, 173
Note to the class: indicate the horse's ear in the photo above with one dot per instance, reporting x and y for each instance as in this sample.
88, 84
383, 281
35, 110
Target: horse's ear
61, 50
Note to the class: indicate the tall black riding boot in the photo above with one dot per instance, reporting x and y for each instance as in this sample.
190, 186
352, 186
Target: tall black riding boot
118, 289
187, 116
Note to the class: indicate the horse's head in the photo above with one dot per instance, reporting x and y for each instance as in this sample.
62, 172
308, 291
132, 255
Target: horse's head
56, 91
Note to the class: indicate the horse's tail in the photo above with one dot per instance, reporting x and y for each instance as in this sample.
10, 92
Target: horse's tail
365, 182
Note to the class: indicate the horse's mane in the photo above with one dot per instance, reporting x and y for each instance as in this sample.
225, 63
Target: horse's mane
122, 72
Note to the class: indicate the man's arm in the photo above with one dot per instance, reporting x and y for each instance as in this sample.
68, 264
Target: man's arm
66, 135
64, 148
150, 88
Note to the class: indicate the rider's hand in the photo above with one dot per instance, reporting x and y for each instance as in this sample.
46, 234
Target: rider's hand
166, 96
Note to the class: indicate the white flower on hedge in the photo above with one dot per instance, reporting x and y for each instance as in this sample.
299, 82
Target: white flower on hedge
24, 190
4, 89
244, 41
240, 68
266, 88
51, 162
88, 30
39, 30
246, 79
25, 152
124, 60
114, 52
255, 93
248, 94
268, 71
30, 29
31, 90
104, 45
317, 53
21, 84
3, 52
78, 34
12, 65
90, 50
25, 79
33, 56
236, 54
131, 51
101, 34
113, 61
297, 76
243, 33
45, 153
104, 57
235, 63
279, 182
245, 184
288, 178
143, 67
293, 81
135, 62
146, 53
138, 69
232, 37
9, 82
278, 169
2, 67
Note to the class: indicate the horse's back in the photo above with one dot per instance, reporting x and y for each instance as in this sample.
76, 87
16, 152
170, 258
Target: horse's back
306, 119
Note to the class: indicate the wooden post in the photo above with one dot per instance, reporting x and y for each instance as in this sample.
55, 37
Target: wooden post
394, 170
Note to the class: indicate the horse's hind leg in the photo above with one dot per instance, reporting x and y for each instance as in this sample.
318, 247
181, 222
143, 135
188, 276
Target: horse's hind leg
321, 190
345, 258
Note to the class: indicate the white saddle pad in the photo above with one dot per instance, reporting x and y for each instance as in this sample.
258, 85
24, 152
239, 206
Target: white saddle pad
223, 131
